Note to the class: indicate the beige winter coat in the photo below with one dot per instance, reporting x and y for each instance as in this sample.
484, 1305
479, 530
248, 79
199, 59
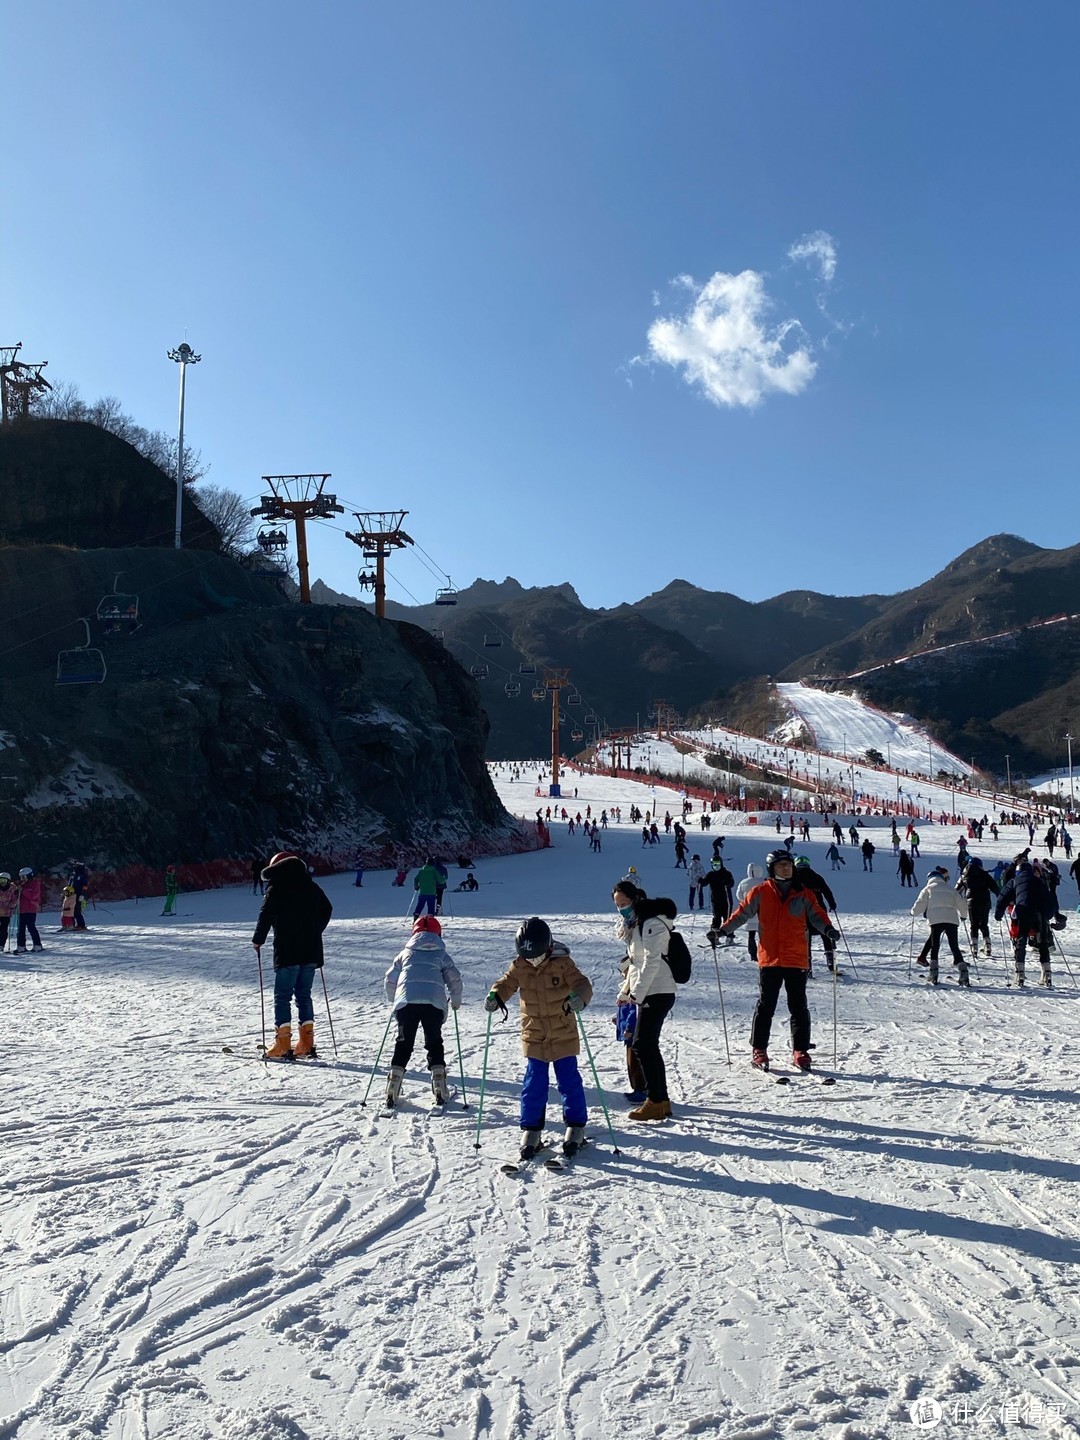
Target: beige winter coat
547, 1033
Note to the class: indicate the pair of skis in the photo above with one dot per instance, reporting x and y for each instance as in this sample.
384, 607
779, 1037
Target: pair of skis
786, 1079
546, 1155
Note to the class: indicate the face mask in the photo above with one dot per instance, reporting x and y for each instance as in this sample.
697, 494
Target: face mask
626, 911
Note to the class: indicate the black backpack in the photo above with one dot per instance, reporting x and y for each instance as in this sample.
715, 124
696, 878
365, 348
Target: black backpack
678, 958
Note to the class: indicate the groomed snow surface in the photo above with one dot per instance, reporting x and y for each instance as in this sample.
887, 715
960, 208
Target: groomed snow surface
198, 1245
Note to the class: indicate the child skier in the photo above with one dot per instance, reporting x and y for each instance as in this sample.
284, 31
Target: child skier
552, 991
417, 984
943, 910
67, 908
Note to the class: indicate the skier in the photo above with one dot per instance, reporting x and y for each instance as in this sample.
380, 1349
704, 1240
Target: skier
695, 874
906, 870
79, 881
298, 912
9, 899
962, 857
258, 863
625, 1021
358, 864
1034, 907
680, 854
417, 984
442, 879
552, 992
809, 879
754, 876
853, 836
868, 854
171, 887
645, 927
914, 839
426, 886
719, 882
29, 908
784, 910
977, 886
469, 883
67, 909
835, 859
943, 912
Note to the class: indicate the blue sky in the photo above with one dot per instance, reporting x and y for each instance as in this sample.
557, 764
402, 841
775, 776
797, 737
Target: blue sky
761, 295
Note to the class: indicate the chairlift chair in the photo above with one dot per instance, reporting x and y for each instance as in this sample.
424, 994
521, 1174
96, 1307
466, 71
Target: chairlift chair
539, 693
119, 614
272, 539
447, 595
492, 642
478, 672
439, 635
512, 689
83, 665
577, 735
573, 698
526, 669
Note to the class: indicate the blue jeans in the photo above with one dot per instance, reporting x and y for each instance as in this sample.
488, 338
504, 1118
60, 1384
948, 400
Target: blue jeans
293, 980
424, 902
534, 1092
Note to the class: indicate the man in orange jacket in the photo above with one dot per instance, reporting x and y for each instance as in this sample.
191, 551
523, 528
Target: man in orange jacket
784, 910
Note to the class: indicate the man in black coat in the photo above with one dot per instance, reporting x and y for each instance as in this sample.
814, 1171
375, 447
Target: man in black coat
720, 883
809, 879
298, 912
977, 886
1034, 907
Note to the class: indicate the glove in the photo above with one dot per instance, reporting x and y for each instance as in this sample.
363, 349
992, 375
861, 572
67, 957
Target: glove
492, 1003
832, 936
1058, 922
455, 1004
573, 1003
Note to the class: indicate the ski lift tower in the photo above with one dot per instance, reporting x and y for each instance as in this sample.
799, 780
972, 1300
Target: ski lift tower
19, 383
555, 681
299, 498
380, 533
663, 717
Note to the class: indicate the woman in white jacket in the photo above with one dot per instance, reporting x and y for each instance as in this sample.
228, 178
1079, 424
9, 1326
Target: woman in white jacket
944, 910
645, 928
755, 874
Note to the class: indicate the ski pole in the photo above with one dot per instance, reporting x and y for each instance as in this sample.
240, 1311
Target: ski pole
262, 997
329, 1020
847, 952
972, 947
378, 1057
596, 1080
483, 1082
911, 947
1064, 957
834, 986
723, 1016
461, 1062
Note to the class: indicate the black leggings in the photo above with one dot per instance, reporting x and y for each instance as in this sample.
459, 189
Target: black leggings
409, 1019
652, 1012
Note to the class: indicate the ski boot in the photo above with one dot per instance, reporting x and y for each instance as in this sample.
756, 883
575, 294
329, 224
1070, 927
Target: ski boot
963, 978
573, 1140
1044, 978
532, 1141
801, 1059
305, 1048
281, 1049
759, 1059
393, 1085
1019, 977
439, 1088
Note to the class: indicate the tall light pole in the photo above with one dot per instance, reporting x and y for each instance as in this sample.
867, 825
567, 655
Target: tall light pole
1008, 774
184, 356
1068, 741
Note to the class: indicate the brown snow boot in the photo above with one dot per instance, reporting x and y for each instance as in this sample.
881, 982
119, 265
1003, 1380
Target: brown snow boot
651, 1110
282, 1046
306, 1045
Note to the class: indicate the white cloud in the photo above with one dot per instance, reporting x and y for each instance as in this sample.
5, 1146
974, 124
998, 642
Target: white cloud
818, 248
724, 346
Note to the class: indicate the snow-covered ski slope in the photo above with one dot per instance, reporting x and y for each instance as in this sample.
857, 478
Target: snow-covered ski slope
846, 725
197, 1245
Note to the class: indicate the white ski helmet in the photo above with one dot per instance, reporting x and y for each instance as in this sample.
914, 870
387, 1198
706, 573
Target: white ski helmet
5, 878
26, 873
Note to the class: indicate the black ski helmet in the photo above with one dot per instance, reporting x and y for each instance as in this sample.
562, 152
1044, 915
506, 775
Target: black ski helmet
533, 939
775, 855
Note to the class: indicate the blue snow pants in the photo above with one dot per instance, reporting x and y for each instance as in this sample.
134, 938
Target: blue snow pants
534, 1092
